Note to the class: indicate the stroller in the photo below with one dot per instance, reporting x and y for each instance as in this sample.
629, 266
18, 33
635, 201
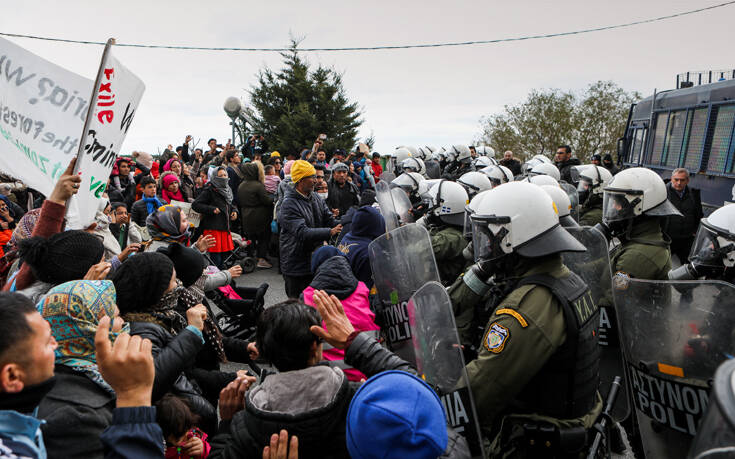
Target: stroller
238, 317
244, 255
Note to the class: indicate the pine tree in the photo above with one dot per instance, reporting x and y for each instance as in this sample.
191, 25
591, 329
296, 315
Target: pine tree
292, 106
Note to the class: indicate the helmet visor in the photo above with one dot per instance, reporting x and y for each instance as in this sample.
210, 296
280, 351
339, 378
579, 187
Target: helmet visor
485, 244
619, 206
584, 188
710, 248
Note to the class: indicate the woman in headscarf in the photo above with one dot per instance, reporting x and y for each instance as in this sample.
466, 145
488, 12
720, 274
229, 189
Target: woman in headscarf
79, 407
170, 224
147, 296
113, 252
214, 203
256, 208
171, 189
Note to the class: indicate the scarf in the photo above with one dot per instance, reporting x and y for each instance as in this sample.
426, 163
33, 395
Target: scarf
24, 227
74, 310
28, 399
163, 225
152, 204
169, 196
222, 186
194, 295
164, 312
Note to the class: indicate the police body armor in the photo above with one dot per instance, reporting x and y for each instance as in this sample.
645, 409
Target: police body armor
674, 334
572, 372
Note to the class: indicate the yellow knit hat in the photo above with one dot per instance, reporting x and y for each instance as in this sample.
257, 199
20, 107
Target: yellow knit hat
275, 154
301, 169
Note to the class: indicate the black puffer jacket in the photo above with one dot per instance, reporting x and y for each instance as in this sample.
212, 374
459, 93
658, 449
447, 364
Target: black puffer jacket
172, 356
209, 200
342, 197
305, 224
690, 206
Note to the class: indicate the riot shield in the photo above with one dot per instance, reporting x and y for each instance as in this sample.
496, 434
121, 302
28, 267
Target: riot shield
594, 267
402, 261
674, 335
716, 435
440, 362
394, 205
571, 191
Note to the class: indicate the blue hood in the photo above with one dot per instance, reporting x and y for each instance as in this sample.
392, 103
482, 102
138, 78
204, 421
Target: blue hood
367, 222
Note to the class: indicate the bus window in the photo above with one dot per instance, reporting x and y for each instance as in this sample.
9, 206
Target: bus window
658, 139
674, 137
636, 146
696, 130
721, 138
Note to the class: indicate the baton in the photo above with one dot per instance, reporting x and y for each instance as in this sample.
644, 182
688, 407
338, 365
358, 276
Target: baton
602, 425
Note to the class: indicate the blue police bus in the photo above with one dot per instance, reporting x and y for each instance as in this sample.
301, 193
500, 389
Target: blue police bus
689, 127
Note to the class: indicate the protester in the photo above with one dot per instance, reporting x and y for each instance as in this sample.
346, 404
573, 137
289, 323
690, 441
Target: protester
147, 297
305, 223
285, 184
120, 226
114, 254
607, 162
367, 224
79, 407
171, 190
375, 164
216, 207
333, 275
123, 181
148, 203
343, 194
234, 173
256, 209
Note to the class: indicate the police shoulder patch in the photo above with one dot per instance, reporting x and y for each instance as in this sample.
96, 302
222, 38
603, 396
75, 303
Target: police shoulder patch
621, 280
495, 338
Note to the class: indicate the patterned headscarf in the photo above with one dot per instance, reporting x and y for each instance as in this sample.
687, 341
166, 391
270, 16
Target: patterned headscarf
164, 225
73, 310
25, 225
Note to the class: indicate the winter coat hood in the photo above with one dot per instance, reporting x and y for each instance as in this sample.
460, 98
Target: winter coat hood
249, 171
335, 277
367, 222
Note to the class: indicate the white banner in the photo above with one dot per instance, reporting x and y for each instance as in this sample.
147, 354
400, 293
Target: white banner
42, 111
117, 94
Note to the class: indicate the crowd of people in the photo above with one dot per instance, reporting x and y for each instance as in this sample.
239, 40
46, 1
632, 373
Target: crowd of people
109, 347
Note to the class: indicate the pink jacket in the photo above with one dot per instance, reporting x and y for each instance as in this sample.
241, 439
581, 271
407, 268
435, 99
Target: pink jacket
357, 309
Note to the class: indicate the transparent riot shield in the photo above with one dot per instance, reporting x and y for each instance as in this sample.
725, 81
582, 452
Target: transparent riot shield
394, 205
673, 335
594, 267
402, 261
440, 362
571, 191
716, 435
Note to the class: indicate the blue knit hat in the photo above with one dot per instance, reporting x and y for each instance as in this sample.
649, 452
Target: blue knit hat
321, 255
396, 415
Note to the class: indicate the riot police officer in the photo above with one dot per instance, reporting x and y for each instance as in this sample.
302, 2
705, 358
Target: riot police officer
538, 355
445, 209
563, 205
592, 181
632, 205
713, 251
475, 182
459, 162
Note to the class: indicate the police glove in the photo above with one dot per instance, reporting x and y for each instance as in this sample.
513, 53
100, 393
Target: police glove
483, 270
604, 230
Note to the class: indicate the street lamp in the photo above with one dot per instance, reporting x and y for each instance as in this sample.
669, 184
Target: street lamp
232, 107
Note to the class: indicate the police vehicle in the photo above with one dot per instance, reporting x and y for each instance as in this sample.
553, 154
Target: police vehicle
689, 127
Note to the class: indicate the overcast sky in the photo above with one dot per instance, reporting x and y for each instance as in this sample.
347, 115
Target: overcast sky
432, 96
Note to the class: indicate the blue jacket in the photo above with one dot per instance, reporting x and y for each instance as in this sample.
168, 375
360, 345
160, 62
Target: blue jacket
367, 224
20, 436
133, 433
